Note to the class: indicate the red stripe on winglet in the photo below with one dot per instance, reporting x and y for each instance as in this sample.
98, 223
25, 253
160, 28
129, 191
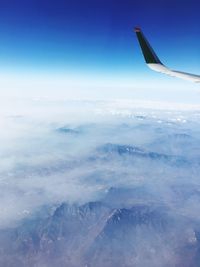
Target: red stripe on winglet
137, 29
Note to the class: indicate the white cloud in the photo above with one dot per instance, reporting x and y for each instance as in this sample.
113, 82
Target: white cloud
40, 164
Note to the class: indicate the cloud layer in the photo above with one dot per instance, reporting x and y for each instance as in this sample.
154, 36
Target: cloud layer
79, 152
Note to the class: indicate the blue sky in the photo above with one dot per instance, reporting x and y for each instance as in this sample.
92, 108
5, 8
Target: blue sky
94, 39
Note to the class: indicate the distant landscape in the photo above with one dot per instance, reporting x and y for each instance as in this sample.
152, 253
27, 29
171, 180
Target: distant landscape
111, 184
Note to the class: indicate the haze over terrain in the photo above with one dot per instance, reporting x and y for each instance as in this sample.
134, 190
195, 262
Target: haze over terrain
99, 183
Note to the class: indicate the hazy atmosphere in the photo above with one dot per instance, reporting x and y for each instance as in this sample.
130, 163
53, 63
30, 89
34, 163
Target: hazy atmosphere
83, 180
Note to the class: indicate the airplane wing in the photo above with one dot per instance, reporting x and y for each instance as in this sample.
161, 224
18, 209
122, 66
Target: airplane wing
154, 63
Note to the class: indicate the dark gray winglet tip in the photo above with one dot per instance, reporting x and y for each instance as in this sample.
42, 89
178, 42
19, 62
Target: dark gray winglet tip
148, 52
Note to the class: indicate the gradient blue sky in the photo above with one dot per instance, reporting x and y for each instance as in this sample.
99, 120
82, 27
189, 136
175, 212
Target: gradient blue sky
93, 39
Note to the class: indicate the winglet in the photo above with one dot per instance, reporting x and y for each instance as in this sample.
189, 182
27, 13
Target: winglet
154, 63
148, 52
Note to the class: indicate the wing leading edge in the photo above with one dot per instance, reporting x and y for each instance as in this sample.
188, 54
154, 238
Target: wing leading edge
154, 63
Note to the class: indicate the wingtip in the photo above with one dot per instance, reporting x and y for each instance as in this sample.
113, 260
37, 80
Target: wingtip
137, 29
